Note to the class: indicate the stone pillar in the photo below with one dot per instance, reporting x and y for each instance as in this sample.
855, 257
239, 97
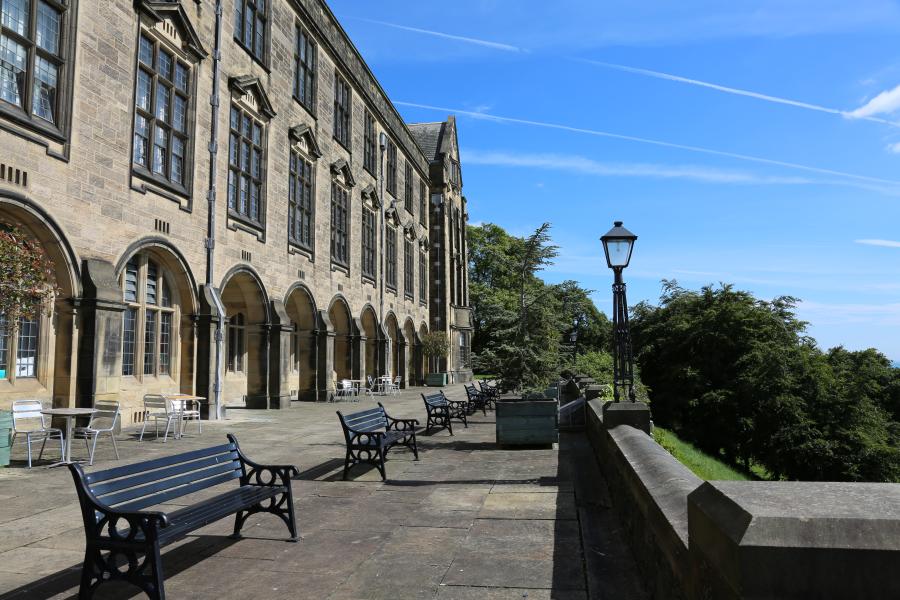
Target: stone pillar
384, 352
207, 321
280, 357
325, 356
357, 349
401, 359
636, 414
100, 344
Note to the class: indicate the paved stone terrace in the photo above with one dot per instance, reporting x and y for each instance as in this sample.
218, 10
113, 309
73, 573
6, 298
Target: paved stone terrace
467, 521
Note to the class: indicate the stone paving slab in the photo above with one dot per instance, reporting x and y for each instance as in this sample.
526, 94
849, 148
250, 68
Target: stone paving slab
467, 521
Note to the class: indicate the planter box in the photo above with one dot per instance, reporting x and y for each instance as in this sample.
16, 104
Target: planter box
5, 435
527, 422
436, 379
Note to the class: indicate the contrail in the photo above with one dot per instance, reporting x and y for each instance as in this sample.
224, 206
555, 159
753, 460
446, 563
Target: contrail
448, 36
731, 90
652, 142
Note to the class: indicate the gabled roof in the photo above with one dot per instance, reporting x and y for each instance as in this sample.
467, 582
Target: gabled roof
175, 13
304, 132
340, 166
428, 136
245, 84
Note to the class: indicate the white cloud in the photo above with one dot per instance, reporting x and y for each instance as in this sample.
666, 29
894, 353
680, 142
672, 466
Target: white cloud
652, 142
893, 148
885, 103
448, 36
734, 91
882, 243
843, 314
588, 166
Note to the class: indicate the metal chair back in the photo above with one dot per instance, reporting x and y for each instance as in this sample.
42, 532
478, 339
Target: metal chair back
106, 416
156, 404
27, 416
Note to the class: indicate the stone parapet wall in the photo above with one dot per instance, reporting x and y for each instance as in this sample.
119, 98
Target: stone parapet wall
747, 539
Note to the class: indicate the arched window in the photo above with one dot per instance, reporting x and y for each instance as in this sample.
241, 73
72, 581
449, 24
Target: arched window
150, 335
236, 332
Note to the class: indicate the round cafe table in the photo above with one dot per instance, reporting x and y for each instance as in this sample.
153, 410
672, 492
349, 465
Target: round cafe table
69, 414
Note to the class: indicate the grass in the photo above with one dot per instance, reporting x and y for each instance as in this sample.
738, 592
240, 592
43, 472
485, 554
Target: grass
484, 376
703, 465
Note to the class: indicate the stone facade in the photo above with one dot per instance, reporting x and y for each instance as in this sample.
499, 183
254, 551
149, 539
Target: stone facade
168, 280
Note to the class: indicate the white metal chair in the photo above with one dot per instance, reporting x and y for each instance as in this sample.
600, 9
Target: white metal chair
345, 389
28, 421
368, 388
102, 421
156, 407
190, 411
395, 385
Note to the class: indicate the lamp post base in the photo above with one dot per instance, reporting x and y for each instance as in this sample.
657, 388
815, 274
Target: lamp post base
636, 414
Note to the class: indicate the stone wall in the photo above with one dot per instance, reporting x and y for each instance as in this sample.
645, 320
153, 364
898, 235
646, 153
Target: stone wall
747, 539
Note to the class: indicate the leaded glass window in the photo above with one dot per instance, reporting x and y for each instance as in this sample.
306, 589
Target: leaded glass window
391, 266
149, 337
300, 201
31, 57
342, 110
305, 69
368, 243
340, 207
250, 18
245, 166
370, 143
161, 114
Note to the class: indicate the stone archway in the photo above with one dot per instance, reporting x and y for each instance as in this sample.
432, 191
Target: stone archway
246, 340
158, 337
47, 367
339, 315
369, 322
301, 309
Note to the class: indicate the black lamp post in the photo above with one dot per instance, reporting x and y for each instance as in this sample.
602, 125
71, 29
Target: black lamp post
573, 337
617, 245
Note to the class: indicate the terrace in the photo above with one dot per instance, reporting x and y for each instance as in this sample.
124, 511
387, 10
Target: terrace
468, 520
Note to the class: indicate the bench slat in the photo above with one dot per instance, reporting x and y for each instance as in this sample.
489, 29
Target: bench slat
128, 482
178, 492
165, 461
170, 484
187, 519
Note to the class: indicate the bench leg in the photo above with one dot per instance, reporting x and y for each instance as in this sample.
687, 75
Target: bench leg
239, 520
380, 465
98, 569
414, 447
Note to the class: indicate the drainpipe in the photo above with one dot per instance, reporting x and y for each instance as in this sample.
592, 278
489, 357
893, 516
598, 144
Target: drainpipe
211, 199
382, 142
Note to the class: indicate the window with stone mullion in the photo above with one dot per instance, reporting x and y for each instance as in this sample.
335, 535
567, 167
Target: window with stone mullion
148, 320
369, 144
300, 216
342, 102
368, 243
408, 188
245, 166
392, 168
31, 56
305, 69
423, 276
408, 268
391, 263
162, 101
250, 26
339, 229
423, 204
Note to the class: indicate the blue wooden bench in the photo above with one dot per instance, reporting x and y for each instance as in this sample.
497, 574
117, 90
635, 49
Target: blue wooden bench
476, 399
440, 411
370, 434
114, 507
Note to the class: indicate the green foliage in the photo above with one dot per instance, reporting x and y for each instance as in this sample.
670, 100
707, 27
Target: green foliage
739, 378
598, 365
26, 275
435, 344
703, 465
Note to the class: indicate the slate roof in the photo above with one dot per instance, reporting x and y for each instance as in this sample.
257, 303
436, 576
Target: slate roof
428, 136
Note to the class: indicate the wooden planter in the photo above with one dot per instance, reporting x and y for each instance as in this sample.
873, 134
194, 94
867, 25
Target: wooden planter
436, 379
5, 435
527, 422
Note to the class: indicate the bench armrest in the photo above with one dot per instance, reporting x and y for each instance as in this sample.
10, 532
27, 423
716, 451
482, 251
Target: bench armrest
401, 424
363, 438
457, 403
264, 475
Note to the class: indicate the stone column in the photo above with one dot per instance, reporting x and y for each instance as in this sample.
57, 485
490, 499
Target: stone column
325, 355
401, 359
384, 352
100, 344
207, 320
280, 357
357, 350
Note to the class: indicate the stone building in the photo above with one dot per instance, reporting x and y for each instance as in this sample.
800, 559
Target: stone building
233, 206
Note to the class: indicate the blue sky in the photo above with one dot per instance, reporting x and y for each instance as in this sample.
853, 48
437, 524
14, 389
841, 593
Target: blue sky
756, 143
